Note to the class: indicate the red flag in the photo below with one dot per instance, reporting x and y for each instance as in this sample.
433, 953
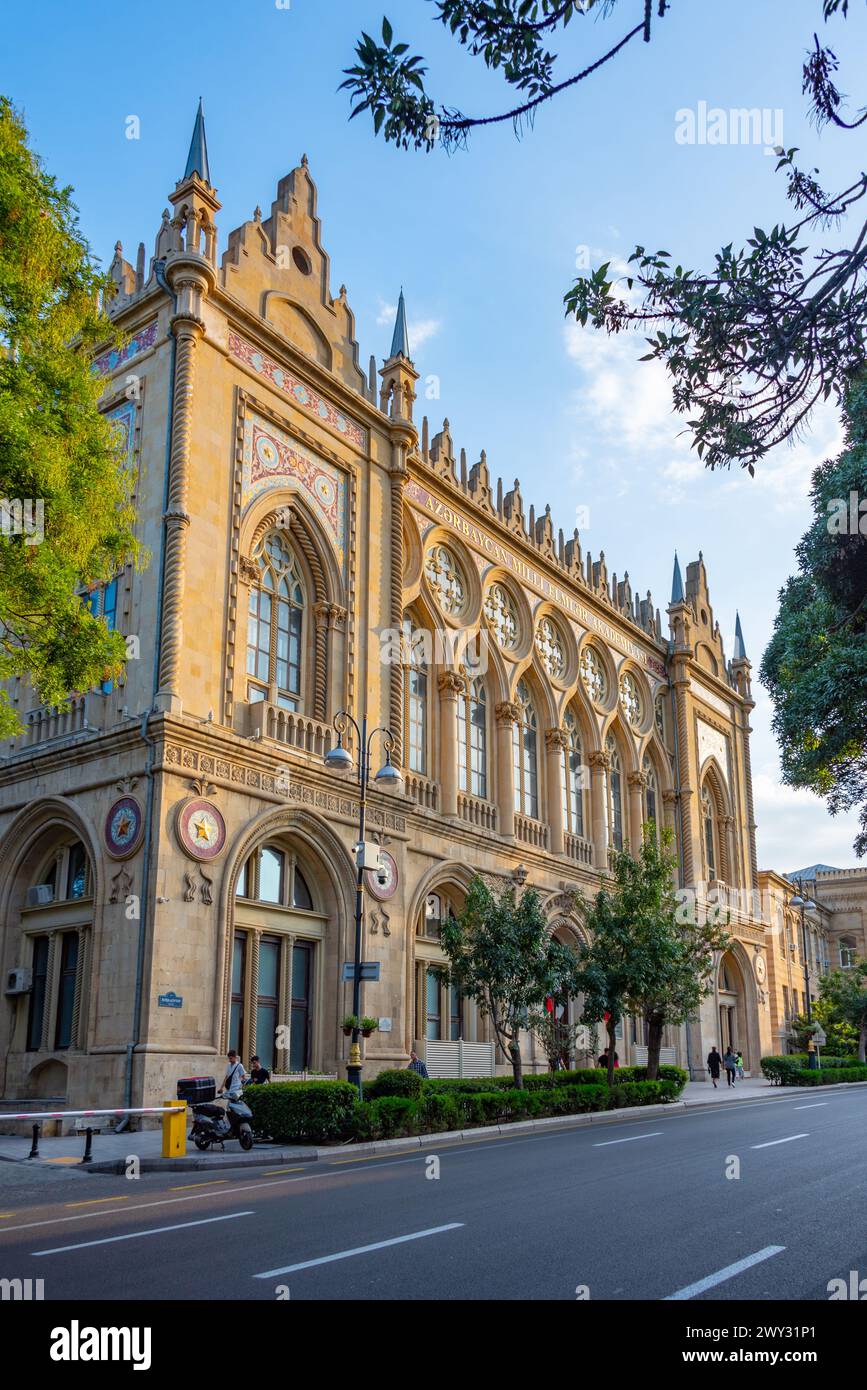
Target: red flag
549, 1004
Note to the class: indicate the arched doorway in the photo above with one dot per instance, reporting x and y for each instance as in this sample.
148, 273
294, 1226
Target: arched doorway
731, 1002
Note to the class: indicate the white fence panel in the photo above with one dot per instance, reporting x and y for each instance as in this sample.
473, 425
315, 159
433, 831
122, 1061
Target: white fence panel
458, 1059
667, 1056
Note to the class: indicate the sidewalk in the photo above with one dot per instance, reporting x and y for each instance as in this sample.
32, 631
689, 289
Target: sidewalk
111, 1152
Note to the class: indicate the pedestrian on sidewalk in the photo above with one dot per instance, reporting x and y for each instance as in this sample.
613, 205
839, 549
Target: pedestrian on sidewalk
730, 1062
740, 1062
603, 1060
417, 1065
714, 1062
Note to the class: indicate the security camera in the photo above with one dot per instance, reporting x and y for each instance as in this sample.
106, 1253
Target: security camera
382, 875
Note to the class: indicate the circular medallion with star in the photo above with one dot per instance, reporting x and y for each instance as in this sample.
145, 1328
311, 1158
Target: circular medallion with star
124, 828
201, 829
386, 887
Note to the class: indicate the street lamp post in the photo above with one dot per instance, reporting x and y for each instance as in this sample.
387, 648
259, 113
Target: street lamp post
339, 759
805, 903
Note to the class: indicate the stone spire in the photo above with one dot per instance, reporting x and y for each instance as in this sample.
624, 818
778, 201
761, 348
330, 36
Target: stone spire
197, 159
676, 582
740, 652
400, 337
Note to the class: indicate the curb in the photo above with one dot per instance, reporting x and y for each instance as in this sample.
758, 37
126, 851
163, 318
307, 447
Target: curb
193, 1164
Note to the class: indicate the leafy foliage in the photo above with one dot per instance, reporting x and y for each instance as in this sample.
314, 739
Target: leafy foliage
818, 648
55, 446
642, 959
500, 954
845, 993
752, 345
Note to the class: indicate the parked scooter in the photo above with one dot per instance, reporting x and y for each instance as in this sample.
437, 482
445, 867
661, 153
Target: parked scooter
212, 1124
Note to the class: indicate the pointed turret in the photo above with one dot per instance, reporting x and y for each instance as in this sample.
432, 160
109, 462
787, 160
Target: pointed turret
400, 337
740, 652
197, 159
676, 582
740, 668
399, 376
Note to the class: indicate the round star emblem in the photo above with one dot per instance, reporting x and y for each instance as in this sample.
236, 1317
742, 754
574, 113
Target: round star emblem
124, 828
382, 886
201, 829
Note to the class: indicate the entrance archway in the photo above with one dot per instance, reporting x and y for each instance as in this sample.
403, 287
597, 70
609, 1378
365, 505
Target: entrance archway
731, 995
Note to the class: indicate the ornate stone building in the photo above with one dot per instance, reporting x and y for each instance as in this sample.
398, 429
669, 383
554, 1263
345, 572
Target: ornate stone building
176, 862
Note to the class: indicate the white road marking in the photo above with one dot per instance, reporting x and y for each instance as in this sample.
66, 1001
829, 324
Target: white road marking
631, 1140
722, 1275
134, 1235
814, 1106
771, 1142
359, 1250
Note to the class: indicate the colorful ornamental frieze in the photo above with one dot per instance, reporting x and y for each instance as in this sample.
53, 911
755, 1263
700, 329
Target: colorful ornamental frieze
201, 829
124, 828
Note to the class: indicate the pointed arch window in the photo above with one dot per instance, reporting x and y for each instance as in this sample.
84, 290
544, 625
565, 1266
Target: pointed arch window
614, 778
593, 676
572, 778
473, 739
525, 749
275, 626
708, 833
651, 796
416, 683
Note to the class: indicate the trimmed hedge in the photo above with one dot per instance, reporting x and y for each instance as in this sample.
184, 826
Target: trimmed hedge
586, 1076
394, 1083
314, 1111
792, 1071
832, 1077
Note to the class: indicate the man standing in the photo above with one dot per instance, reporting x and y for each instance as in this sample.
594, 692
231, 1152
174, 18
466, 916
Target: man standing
714, 1062
417, 1065
730, 1062
233, 1081
259, 1075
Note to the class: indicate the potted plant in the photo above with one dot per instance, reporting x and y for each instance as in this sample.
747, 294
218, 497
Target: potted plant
368, 1026
350, 1022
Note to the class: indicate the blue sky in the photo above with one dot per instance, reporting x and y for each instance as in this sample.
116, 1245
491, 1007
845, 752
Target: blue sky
485, 243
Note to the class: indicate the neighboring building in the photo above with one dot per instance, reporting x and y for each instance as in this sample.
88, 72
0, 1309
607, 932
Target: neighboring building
176, 863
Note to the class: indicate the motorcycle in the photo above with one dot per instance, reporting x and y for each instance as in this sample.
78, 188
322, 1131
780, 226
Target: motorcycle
212, 1124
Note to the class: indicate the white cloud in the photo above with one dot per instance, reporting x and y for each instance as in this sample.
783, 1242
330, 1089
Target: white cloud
420, 330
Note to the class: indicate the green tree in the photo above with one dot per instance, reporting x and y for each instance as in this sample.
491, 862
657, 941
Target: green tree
752, 344
845, 992
558, 1036
57, 451
501, 955
652, 952
815, 666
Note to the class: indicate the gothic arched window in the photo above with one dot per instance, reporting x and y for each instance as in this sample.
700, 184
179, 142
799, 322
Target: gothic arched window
593, 676
445, 577
526, 755
473, 739
615, 795
651, 796
708, 833
502, 616
572, 778
415, 712
275, 626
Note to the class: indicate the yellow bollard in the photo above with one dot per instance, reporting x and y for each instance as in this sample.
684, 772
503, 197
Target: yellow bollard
175, 1129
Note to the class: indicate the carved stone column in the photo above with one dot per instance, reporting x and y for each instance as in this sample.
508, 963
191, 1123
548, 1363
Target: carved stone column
637, 782
452, 687
600, 765
687, 852
176, 519
556, 742
397, 476
727, 846
251, 993
79, 1006
49, 1016
669, 799
506, 714
330, 619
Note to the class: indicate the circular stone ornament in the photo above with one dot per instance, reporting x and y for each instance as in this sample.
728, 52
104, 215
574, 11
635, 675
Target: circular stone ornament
760, 969
200, 828
382, 891
124, 828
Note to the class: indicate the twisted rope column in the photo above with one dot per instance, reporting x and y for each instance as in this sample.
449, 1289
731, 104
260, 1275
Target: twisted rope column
176, 518
395, 677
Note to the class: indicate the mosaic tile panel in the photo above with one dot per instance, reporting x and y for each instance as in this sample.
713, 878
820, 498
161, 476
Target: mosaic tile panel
296, 390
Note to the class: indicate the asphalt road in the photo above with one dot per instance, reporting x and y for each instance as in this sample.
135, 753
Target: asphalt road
638, 1210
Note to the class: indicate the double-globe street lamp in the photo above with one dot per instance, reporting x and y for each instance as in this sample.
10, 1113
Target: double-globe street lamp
339, 759
805, 904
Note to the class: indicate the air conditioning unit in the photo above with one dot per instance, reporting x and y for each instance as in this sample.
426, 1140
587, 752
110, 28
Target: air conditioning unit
40, 895
19, 980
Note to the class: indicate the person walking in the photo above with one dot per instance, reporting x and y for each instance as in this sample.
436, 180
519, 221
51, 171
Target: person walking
714, 1062
740, 1062
417, 1065
730, 1062
603, 1061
